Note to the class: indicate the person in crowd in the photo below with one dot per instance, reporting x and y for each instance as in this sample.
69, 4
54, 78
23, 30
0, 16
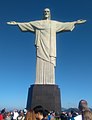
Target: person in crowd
30, 115
25, 111
8, 116
45, 114
1, 116
84, 111
69, 114
73, 115
83, 105
52, 115
15, 114
87, 115
21, 115
63, 116
3, 110
39, 112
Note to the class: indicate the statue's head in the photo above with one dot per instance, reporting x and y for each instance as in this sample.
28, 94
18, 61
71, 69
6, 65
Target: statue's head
46, 14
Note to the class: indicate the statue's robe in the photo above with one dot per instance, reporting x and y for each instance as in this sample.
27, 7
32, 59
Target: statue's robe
45, 42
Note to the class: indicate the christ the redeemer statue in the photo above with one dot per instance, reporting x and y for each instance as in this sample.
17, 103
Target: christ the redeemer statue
45, 31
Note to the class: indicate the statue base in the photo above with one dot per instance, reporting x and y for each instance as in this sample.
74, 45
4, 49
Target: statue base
47, 96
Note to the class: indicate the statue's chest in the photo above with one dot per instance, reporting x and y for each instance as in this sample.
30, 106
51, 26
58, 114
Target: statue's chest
46, 24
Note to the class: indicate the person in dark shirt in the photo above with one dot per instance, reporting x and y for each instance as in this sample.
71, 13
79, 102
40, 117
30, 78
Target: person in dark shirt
39, 112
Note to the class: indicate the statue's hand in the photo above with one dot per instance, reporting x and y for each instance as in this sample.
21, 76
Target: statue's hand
12, 23
80, 21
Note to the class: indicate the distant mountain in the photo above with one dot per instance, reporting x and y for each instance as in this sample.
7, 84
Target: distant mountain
63, 109
70, 109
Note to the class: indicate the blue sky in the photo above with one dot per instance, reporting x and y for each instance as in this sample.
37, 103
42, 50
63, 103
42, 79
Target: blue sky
18, 58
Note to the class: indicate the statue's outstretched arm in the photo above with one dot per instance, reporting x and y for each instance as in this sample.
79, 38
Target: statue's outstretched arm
80, 21
12, 23
24, 26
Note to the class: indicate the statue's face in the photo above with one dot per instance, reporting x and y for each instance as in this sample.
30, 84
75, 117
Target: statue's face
47, 13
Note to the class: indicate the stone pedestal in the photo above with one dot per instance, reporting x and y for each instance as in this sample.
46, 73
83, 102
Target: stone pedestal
46, 95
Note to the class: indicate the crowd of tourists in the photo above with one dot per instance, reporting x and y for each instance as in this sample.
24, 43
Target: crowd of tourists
40, 113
